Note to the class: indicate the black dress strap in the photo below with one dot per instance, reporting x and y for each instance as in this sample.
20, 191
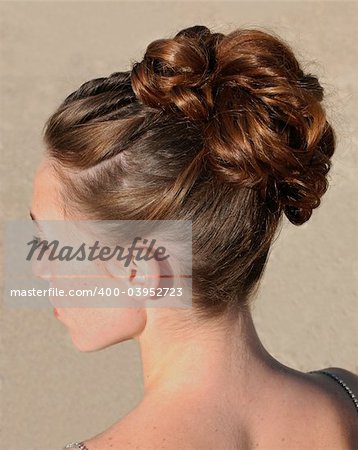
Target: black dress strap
341, 382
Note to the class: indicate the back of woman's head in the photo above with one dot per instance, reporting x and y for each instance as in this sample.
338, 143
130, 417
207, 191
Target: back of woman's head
223, 130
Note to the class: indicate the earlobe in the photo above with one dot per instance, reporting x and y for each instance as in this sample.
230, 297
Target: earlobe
146, 279
144, 274
138, 273
137, 278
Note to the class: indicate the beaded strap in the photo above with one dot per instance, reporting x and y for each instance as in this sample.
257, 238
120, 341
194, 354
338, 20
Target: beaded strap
79, 445
342, 383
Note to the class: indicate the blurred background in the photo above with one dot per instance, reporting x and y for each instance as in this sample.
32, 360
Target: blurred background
306, 312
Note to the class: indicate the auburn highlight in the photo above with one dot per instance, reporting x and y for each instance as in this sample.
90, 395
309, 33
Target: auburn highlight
224, 130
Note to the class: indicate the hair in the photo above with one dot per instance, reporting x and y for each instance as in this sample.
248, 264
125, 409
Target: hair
224, 130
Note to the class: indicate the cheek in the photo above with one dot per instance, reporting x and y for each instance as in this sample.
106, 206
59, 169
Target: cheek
96, 328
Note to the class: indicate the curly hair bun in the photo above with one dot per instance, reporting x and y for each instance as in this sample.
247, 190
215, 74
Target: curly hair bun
261, 116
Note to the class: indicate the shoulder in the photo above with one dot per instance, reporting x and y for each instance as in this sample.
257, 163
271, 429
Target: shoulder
137, 432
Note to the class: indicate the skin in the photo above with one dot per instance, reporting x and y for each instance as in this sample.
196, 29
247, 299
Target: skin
208, 385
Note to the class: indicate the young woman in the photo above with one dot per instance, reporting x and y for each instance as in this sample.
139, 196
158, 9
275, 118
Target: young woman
226, 131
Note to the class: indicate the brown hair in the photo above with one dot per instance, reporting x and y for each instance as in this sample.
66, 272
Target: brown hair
223, 130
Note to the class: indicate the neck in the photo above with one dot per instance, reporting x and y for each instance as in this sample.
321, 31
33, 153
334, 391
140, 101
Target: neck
187, 357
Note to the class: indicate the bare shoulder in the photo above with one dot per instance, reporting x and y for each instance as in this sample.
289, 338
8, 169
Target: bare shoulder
310, 412
137, 436
137, 432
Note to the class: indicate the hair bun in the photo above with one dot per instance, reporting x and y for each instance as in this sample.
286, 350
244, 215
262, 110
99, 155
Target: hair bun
265, 127
175, 73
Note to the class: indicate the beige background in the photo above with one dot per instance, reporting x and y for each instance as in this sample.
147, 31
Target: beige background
306, 312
